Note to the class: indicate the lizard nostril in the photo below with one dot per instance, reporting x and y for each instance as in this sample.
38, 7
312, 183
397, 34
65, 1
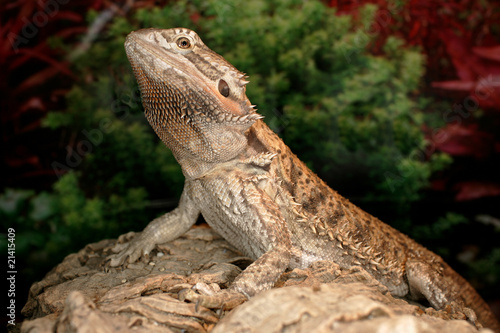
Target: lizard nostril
223, 88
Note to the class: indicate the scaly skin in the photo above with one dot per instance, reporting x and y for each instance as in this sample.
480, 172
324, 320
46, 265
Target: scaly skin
256, 193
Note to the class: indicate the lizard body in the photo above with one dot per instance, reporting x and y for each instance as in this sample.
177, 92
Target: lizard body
255, 192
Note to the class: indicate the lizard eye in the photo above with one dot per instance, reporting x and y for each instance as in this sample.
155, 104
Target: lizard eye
223, 88
183, 43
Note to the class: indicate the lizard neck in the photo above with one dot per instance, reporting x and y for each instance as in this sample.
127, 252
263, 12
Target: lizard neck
193, 169
186, 145
254, 144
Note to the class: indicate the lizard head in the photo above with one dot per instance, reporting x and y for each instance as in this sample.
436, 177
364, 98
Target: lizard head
193, 98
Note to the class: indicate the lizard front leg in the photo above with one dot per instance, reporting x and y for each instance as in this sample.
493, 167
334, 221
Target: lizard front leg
261, 232
261, 275
162, 229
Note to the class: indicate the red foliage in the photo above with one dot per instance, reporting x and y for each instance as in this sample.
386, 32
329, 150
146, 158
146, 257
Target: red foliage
31, 79
474, 190
466, 140
34, 79
477, 69
462, 45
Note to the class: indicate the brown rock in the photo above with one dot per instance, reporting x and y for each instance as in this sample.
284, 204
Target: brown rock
78, 296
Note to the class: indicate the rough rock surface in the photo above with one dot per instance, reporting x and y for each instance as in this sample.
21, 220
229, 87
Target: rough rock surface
78, 296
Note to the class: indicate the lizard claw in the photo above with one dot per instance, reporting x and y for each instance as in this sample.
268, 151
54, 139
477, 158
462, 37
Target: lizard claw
224, 299
129, 249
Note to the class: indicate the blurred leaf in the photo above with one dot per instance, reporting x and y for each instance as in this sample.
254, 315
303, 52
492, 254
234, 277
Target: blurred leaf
43, 206
11, 200
491, 53
474, 190
465, 141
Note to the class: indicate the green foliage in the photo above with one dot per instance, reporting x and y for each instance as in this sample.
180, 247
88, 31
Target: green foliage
440, 229
488, 268
352, 116
49, 224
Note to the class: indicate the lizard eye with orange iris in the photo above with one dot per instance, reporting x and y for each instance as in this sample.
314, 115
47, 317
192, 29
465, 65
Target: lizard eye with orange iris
184, 43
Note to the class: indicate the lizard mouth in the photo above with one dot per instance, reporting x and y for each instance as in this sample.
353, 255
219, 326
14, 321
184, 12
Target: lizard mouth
153, 58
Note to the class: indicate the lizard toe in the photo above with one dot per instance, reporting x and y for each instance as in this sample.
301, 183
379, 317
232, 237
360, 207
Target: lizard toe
224, 299
130, 252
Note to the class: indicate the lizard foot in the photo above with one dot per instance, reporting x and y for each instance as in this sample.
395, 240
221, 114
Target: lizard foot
460, 311
129, 248
213, 299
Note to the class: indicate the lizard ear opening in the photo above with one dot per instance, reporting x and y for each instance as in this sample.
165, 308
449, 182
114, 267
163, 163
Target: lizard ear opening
223, 88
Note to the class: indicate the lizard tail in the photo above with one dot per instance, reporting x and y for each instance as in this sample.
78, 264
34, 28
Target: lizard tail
443, 286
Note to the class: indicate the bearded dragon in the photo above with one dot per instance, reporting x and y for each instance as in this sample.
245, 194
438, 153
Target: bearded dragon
253, 191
